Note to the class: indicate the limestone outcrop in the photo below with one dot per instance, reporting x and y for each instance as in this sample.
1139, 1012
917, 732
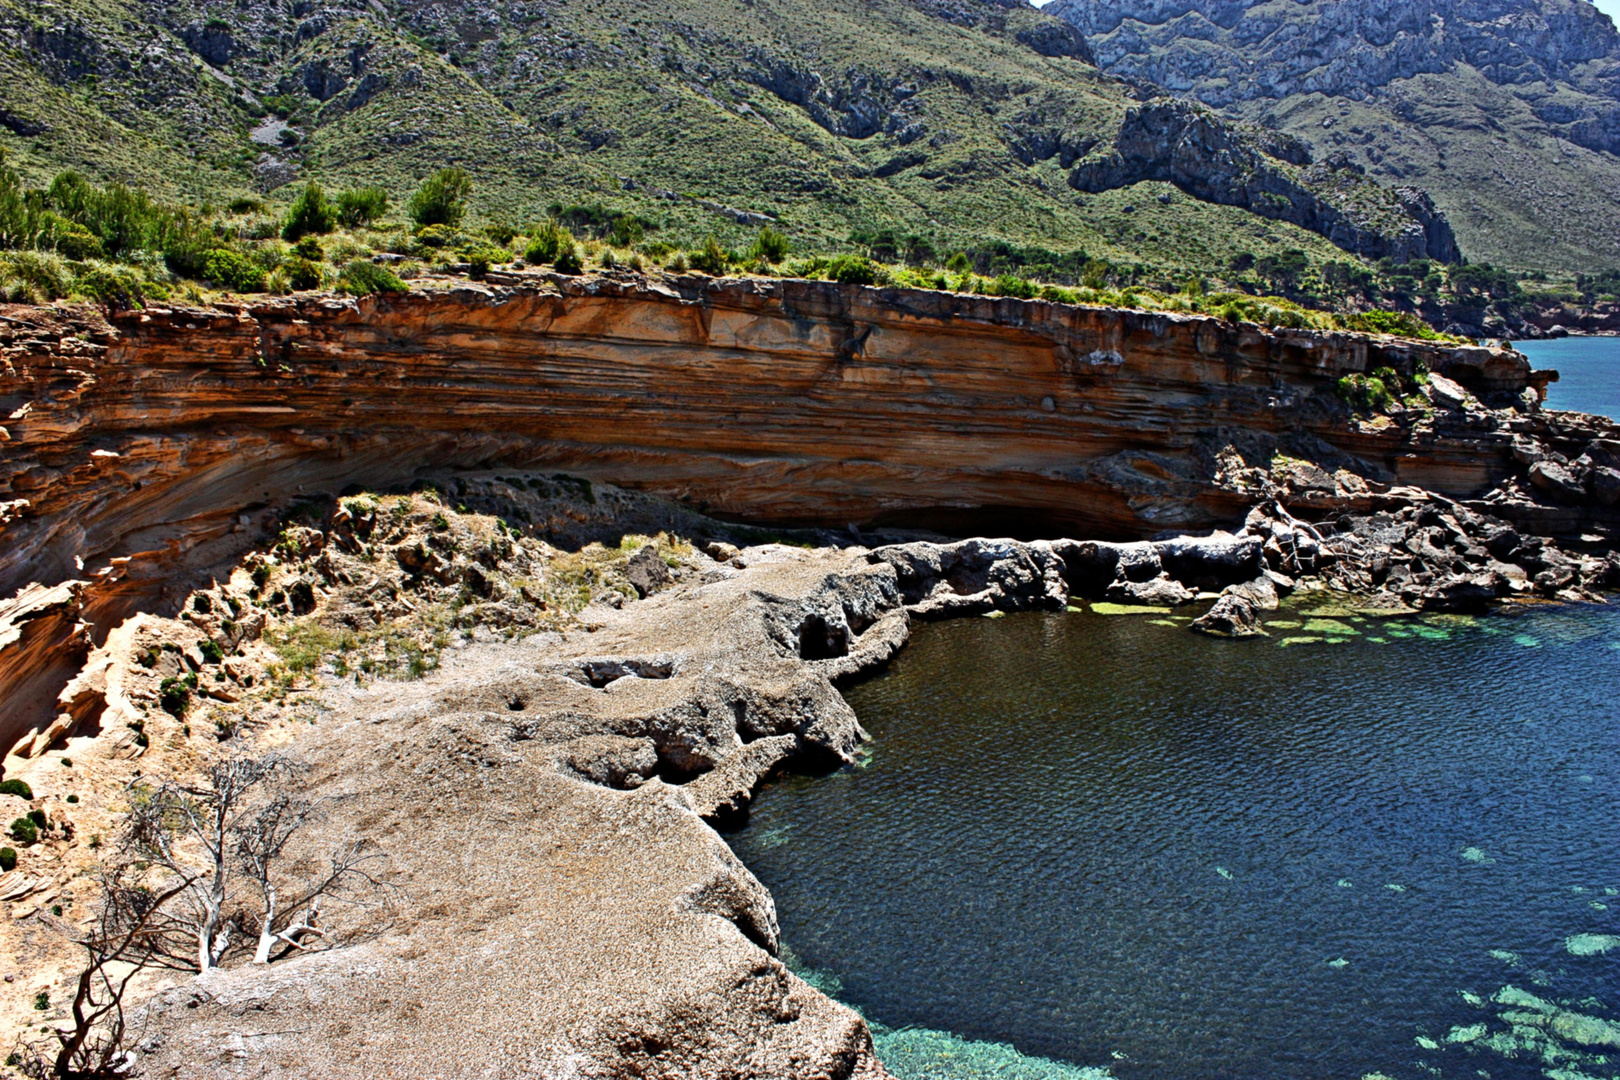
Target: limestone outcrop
147, 447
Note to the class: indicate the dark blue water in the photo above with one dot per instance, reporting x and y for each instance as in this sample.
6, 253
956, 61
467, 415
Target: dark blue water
1366, 850
1589, 372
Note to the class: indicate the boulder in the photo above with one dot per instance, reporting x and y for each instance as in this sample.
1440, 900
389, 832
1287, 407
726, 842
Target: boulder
1234, 615
1604, 484
1261, 592
1162, 591
1446, 394
647, 571
1556, 480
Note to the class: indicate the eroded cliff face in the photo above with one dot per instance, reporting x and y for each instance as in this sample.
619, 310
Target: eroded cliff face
137, 446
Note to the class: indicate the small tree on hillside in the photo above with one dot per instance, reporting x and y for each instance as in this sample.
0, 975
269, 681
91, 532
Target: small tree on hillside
309, 215
442, 198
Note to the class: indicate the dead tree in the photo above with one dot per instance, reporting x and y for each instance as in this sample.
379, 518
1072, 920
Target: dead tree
167, 821
128, 937
291, 917
239, 824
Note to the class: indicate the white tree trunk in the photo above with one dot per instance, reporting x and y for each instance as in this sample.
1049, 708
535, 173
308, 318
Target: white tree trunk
267, 935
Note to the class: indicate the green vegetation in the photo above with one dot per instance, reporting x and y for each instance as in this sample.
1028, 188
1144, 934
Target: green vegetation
25, 832
362, 278
442, 198
310, 215
19, 788
8, 860
174, 695
361, 206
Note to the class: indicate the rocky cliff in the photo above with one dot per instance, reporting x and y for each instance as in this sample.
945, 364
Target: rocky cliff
1178, 142
136, 447
1413, 93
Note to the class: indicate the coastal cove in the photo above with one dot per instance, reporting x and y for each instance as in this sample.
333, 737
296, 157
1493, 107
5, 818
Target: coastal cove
1358, 848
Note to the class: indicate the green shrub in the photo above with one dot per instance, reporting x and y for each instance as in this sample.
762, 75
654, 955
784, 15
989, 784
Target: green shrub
771, 245
174, 694
309, 214
569, 261
309, 248
37, 817
303, 275
501, 233
547, 242
16, 787
1398, 323
627, 230
362, 205
610, 261
73, 241
958, 263
712, 260
852, 270
233, 271
34, 277
42, 1000
442, 198
362, 278
1012, 285
8, 860
211, 652
245, 206
436, 236
113, 285
677, 265
1364, 393
25, 832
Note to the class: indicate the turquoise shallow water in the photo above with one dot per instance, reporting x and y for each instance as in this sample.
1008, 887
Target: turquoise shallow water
1084, 842
1589, 372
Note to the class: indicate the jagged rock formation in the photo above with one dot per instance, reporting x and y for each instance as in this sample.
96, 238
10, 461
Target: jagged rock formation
1413, 93
1210, 159
134, 450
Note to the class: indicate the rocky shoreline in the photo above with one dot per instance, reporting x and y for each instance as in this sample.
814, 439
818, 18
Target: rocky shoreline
534, 689
545, 790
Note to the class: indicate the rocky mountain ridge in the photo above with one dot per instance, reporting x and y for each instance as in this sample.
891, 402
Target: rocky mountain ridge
1410, 92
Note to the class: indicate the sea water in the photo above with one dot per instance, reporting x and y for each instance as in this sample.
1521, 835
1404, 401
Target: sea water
1084, 844
1588, 369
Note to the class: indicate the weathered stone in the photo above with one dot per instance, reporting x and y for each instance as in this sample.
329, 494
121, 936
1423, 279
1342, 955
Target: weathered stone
1557, 481
1234, 615
646, 571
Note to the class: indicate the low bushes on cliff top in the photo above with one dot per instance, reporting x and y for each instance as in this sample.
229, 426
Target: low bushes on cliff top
362, 278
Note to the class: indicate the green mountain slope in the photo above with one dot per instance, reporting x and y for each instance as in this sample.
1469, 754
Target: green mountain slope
959, 120
1506, 111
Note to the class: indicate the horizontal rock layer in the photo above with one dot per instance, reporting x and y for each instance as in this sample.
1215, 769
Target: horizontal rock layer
134, 445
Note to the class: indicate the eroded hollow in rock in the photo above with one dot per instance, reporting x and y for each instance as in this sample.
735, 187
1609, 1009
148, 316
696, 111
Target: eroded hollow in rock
820, 641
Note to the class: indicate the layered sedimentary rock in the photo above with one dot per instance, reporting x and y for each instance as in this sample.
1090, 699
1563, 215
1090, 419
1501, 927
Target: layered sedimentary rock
137, 447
